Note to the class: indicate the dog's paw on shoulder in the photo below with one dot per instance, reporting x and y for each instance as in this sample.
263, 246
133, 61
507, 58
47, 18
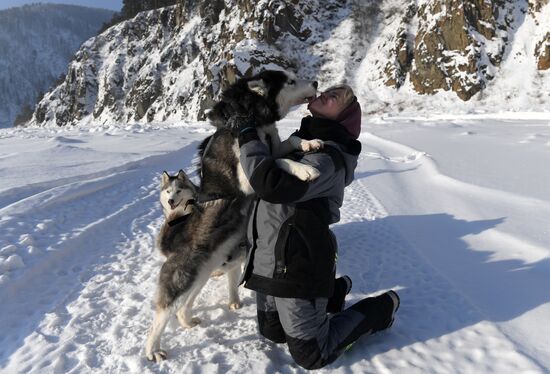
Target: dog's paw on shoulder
301, 171
157, 356
311, 145
307, 173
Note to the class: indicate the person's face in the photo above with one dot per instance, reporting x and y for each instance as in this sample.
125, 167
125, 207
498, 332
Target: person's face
327, 105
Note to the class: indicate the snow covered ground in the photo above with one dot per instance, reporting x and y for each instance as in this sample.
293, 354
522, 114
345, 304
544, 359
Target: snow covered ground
451, 211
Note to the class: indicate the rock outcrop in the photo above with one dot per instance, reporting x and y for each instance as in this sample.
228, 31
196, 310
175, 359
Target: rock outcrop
172, 63
542, 52
449, 49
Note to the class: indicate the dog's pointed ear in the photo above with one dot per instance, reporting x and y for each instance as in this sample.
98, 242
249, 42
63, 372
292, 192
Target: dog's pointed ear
182, 175
258, 86
165, 177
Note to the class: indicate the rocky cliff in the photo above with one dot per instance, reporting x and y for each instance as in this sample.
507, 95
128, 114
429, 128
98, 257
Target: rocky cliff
172, 63
457, 45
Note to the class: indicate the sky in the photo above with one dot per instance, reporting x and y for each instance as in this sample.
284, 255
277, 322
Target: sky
108, 4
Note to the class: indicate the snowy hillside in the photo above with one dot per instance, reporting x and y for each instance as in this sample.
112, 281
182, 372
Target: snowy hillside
452, 212
399, 55
36, 44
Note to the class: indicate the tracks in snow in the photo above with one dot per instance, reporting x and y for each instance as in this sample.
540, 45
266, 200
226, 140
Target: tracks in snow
440, 312
84, 305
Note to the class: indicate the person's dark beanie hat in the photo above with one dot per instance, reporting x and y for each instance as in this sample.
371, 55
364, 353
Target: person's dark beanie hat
350, 118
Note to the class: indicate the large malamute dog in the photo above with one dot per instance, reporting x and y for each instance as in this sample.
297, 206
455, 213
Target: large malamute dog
196, 239
267, 97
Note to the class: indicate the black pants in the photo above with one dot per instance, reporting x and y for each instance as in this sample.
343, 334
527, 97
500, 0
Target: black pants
314, 338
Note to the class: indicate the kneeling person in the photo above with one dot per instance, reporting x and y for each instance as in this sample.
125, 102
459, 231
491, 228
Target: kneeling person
291, 264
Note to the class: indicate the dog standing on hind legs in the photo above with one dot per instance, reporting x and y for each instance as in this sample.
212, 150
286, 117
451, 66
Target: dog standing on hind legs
196, 239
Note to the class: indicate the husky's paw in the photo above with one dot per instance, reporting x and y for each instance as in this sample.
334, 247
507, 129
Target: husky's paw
311, 145
157, 356
306, 173
194, 321
217, 273
303, 172
235, 305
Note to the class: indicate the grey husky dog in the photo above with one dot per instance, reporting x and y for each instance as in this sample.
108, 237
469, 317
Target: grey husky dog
196, 240
207, 231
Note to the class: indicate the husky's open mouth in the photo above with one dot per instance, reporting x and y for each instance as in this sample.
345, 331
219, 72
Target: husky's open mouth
174, 205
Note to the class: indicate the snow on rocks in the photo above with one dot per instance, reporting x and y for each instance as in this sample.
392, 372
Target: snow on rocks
172, 63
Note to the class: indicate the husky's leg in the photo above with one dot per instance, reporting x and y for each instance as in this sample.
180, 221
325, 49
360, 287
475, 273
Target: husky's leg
301, 171
184, 312
233, 277
152, 346
295, 143
285, 148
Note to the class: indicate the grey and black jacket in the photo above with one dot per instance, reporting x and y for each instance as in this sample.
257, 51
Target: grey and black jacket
293, 252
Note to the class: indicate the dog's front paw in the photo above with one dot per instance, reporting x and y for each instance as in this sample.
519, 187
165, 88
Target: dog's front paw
235, 305
311, 145
301, 171
307, 173
157, 356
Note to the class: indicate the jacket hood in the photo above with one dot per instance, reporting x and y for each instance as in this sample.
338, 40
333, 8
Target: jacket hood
335, 135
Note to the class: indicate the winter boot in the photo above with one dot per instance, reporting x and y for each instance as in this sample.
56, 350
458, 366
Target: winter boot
342, 287
379, 311
378, 315
396, 302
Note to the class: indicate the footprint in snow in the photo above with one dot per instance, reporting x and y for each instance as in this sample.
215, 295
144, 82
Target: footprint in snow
64, 140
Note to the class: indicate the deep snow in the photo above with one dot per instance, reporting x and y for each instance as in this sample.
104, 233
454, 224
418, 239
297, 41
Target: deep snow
450, 211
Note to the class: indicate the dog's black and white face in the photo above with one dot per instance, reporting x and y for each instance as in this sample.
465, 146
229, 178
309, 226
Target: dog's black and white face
176, 191
284, 88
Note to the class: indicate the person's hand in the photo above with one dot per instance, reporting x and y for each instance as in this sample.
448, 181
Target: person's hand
239, 123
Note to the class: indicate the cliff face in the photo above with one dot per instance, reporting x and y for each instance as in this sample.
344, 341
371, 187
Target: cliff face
172, 63
456, 46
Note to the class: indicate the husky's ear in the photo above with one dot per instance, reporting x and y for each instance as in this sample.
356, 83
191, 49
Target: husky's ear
258, 86
165, 177
182, 175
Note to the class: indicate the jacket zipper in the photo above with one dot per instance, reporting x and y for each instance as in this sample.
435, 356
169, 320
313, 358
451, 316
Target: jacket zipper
280, 252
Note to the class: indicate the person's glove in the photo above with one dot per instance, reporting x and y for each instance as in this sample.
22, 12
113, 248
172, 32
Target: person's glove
241, 123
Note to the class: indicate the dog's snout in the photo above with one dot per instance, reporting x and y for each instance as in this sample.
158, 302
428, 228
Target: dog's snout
171, 202
315, 84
